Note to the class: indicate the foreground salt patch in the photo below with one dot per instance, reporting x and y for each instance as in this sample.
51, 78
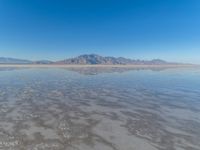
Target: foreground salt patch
59, 110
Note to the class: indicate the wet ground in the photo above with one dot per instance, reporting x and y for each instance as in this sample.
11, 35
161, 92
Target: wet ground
99, 109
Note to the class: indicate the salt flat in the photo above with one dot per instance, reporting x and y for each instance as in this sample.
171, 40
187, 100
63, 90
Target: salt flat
95, 108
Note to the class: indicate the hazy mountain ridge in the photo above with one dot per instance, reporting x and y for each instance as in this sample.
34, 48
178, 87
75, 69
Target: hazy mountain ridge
92, 59
6, 60
43, 62
88, 59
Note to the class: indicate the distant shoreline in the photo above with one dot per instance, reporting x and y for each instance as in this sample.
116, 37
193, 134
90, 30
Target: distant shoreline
80, 66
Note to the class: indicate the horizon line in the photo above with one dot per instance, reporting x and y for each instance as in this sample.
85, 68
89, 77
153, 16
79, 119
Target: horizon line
75, 56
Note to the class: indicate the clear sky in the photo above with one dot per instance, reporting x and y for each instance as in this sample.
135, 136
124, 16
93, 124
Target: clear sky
58, 29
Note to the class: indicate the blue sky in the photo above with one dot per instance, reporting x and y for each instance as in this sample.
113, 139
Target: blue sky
58, 29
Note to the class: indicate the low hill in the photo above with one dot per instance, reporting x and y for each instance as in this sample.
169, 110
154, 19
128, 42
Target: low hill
5, 60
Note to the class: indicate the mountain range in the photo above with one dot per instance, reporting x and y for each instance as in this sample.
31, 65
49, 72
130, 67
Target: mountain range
88, 59
6, 60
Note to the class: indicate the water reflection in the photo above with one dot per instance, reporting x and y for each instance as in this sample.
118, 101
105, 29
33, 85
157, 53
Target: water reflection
95, 70
99, 70
58, 109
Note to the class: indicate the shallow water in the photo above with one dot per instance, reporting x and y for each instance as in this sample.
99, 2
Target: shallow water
99, 109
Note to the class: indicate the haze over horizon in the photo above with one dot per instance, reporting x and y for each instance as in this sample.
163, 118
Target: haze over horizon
55, 30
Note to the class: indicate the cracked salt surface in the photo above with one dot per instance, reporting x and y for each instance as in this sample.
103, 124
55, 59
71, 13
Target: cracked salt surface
95, 109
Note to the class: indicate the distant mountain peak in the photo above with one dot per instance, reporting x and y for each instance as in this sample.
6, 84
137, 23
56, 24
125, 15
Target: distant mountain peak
98, 59
88, 59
